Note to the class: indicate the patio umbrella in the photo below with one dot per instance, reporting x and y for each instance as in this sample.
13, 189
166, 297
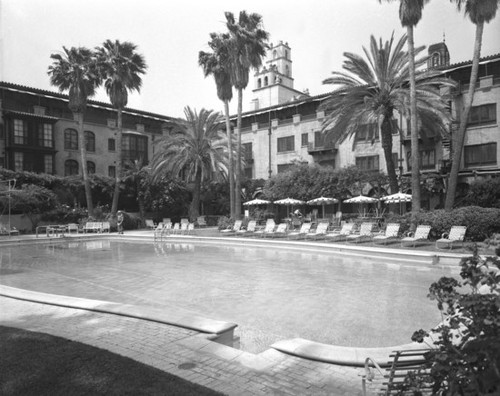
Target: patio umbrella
322, 201
256, 201
398, 197
289, 202
361, 200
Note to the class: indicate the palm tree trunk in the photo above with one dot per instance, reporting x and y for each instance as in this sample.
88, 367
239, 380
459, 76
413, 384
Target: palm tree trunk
237, 187
386, 131
140, 203
83, 157
118, 169
194, 210
460, 138
415, 154
231, 161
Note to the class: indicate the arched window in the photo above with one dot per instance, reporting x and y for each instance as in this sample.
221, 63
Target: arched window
259, 83
266, 82
89, 141
286, 54
70, 167
70, 139
275, 54
90, 167
435, 60
287, 71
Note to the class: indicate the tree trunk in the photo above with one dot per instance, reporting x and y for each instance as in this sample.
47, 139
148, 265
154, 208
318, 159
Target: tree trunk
386, 132
415, 154
194, 210
237, 187
83, 157
231, 160
460, 138
140, 203
118, 168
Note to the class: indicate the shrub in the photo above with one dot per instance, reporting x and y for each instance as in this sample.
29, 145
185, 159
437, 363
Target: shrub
225, 222
484, 193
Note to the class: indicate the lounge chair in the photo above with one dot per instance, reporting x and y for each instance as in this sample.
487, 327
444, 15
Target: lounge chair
166, 229
189, 229
201, 222
280, 231
150, 224
319, 232
72, 227
340, 235
270, 225
92, 226
250, 229
421, 235
167, 220
176, 228
5, 230
105, 226
184, 220
456, 235
304, 230
365, 233
183, 228
391, 233
235, 228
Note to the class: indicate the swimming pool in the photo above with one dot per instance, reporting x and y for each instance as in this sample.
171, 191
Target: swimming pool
272, 293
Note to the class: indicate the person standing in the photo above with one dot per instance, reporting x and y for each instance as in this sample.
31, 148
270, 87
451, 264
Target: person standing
119, 222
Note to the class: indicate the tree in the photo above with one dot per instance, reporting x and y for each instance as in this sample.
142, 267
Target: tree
135, 172
75, 71
371, 90
217, 64
195, 153
120, 67
479, 12
248, 45
410, 13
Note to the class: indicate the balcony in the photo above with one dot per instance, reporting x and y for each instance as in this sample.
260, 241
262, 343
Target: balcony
315, 148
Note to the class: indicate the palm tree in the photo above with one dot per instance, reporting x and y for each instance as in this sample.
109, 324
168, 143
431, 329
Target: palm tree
248, 45
136, 173
479, 12
371, 90
216, 63
120, 66
410, 13
75, 71
197, 152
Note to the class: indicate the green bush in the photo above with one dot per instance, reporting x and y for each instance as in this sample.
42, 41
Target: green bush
225, 222
484, 193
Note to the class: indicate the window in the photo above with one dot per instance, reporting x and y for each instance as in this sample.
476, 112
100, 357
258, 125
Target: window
286, 144
135, 147
89, 141
275, 54
319, 139
287, 71
111, 171
259, 83
70, 139
284, 167
480, 154
304, 139
395, 160
367, 133
70, 168
90, 167
266, 81
18, 161
427, 159
248, 172
46, 136
368, 163
48, 164
111, 144
20, 132
247, 151
484, 114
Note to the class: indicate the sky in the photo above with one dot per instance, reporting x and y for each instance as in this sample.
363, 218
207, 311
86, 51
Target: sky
170, 34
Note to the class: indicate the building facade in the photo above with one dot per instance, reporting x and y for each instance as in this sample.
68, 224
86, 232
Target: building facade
38, 133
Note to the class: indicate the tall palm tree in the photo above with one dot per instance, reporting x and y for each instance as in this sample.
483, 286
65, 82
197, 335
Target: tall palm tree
216, 63
196, 152
248, 45
371, 90
120, 66
74, 70
479, 12
410, 13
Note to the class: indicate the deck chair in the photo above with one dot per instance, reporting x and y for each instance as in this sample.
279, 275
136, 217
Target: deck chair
305, 228
270, 225
391, 233
342, 234
201, 222
184, 220
421, 235
456, 235
235, 228
320, 232
176, 228
190, 229
280, 231
105, 226
166, 220
252, 224
150, 225
365, 233
167, 228
183, 228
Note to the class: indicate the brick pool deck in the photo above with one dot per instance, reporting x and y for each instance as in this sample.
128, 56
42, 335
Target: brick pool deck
170, 348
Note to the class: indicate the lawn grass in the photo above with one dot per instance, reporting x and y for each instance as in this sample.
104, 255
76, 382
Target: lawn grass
40, 364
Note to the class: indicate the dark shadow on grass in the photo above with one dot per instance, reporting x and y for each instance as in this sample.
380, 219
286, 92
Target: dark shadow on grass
34, 363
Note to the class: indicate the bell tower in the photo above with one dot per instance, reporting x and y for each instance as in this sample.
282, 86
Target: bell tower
439, 55
273, 83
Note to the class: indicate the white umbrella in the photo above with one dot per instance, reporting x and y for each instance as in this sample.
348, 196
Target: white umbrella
256, 201
289, 202
397, 198
323, 201
361, 199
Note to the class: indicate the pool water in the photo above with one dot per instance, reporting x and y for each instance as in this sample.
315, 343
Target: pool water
272, 293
